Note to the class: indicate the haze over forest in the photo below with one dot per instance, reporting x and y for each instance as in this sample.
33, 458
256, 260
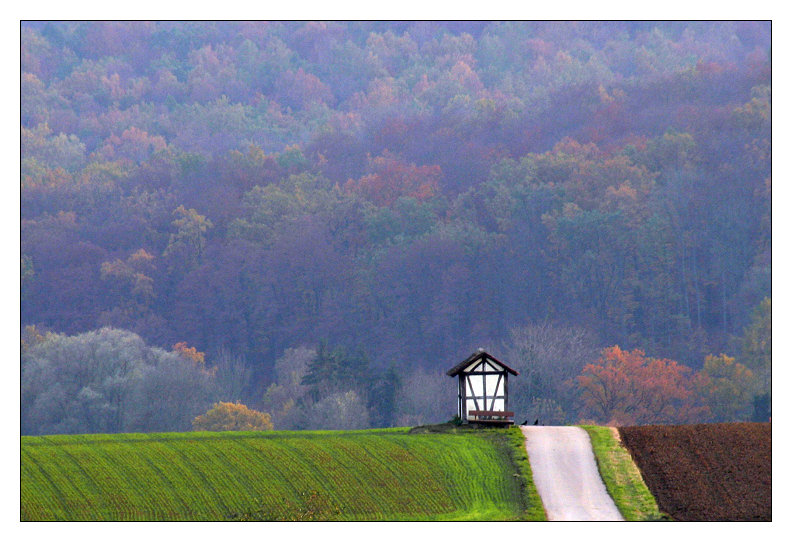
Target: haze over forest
318, 219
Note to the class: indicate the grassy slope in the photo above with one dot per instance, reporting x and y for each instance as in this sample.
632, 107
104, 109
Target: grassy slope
534, 509
622, 478
363, 475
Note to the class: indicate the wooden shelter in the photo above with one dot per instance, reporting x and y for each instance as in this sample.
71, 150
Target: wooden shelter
483, 389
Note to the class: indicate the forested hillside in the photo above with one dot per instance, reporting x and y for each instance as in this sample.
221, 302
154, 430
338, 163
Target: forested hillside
300, 209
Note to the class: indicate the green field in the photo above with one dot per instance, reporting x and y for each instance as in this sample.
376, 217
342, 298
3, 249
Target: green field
327, 475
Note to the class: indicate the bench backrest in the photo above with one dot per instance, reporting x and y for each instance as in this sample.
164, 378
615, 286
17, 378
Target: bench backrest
499, 413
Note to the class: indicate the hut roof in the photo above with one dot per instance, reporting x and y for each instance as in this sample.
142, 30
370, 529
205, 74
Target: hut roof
475, 357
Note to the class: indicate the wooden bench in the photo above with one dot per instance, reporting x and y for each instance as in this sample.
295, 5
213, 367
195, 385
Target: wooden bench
500, 417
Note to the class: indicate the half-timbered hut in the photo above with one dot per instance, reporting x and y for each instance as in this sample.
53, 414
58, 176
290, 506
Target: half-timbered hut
483, 384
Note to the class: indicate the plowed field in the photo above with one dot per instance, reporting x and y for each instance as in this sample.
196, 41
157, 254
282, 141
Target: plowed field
706, 472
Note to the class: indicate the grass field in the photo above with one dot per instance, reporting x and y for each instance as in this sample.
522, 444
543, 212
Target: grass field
622, 478
326, 475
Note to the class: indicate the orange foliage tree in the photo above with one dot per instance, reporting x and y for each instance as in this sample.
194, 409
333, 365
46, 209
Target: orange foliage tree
392, 179
627, 387
232, 417
190, 353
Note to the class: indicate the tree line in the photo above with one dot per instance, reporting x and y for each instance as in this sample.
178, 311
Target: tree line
109, 380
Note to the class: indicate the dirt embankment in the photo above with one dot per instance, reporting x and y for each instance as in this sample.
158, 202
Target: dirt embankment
706, 472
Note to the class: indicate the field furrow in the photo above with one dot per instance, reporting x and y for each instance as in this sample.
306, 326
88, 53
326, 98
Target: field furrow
294, 475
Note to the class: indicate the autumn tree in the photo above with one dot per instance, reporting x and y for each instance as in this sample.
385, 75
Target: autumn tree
186, 246
265, 207
129, 290
191, 354
31, 335
133, 144
246, 170
391, 178
61, 150
725, 387
627, 387
232, 417
300, 89
131, 277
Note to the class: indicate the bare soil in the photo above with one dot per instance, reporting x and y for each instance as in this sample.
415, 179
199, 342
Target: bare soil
706, 472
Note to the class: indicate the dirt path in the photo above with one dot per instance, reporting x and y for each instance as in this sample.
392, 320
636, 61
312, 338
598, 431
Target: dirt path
566, 476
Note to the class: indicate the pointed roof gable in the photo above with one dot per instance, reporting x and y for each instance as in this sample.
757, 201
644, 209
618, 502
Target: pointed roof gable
475, 357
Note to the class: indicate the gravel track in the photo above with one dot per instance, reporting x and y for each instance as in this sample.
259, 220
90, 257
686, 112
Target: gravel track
566, 476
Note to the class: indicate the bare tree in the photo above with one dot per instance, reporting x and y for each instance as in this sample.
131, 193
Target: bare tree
108, 381
344, 410
425, 397
231, 374
548, 357
291, 367
286, 399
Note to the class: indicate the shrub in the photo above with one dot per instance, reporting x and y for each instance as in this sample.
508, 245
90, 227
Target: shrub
232, 417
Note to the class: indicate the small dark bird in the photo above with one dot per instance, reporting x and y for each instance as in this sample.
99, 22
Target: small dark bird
536, 422
525, 422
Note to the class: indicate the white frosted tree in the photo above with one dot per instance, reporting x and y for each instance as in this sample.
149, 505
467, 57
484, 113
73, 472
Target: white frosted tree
343, 410
108, 381
282, 397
